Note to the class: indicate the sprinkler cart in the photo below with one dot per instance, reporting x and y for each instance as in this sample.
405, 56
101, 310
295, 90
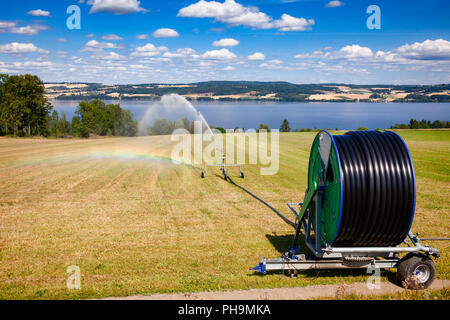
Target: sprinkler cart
358, 210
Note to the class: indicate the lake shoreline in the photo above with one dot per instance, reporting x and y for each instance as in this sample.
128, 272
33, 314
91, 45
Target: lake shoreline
251, 114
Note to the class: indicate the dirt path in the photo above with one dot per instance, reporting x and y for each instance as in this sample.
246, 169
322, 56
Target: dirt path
305, 293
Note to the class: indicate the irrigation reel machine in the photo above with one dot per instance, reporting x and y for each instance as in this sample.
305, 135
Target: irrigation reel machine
358, 210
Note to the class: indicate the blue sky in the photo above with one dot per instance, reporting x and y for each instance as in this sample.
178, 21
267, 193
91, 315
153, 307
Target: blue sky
304, 41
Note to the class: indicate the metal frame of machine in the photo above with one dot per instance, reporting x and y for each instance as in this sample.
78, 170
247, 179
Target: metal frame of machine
327, 257
223, 167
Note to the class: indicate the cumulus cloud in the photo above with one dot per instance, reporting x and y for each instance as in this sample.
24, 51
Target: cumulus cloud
39, 13
348, 52
290, 23
165, 33
419, 55
21, 48
334, 4
112, 56
234, 14
112, 37
275, 65
32, 64
222, 54
149, 50
95, 45
7, 24
11, 27
116, 6
428, 50
180, 53
142, 37
354, 52
256, 56
228, 42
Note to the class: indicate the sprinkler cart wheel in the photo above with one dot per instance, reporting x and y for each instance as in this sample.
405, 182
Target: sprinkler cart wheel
203, 175
416, 272
242, 175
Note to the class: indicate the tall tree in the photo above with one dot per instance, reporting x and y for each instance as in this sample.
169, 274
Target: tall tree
285, 127
23, 106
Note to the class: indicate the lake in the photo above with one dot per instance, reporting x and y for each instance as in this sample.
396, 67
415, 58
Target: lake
344, 116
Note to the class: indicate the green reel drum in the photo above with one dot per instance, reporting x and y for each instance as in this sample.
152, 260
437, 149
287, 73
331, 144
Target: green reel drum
367, 185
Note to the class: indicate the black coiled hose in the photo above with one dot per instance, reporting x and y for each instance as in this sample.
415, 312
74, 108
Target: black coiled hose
378, 189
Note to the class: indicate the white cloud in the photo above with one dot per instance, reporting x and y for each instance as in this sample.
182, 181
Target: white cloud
334, 4
180, 53
149, 50
275, 65
20, 48
110, 56
112, 37
354, 52
39, 13
35, 64
290, 23
27, 30
256, 56
348, 52
222, 54
95, 45
229, 42
116, 6
234, 14
229, 68
275, 61
165, 33
7, 24
315, 54
428, 50
142, 37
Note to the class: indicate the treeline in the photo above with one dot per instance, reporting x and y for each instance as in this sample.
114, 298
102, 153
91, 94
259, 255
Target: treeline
424, 124
94, 118
162, 127
420, 97
25, 112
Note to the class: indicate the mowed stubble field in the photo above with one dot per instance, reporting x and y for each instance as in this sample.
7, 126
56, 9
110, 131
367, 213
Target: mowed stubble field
137, 224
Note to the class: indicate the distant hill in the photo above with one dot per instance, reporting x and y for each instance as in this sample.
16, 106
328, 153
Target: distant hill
253, 90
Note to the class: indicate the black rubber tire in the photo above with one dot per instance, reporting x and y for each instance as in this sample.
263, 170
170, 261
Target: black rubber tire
242, 175
408, 268
203, 175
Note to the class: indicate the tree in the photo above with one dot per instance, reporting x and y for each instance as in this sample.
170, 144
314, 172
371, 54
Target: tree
63, 125
162, 127
264, 127
23, 107
53, 124
285, 127
100, 119
77, 129
186, 123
